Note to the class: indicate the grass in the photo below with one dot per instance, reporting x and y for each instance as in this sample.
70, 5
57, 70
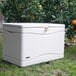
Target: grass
61, 67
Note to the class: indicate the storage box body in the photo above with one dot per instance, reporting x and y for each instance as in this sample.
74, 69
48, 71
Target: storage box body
32, 43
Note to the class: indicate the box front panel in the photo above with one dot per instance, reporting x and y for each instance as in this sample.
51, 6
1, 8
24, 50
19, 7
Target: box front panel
35, 44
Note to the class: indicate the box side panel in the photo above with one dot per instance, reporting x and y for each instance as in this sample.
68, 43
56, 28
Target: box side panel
12, 45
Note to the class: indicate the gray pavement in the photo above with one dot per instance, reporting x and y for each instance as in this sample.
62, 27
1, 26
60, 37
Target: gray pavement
1, 20
1, 24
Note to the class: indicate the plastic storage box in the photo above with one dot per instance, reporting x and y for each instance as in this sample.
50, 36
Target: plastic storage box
32, 43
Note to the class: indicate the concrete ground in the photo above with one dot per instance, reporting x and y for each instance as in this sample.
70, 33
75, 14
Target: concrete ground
1, 24
1, 20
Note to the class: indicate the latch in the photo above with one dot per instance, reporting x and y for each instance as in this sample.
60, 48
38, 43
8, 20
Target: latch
46, 28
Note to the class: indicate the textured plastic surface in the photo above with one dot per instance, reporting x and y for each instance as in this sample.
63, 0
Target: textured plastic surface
32, 45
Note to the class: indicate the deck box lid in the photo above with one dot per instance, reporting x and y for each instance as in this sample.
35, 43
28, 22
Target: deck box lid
32, 25
34, 28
